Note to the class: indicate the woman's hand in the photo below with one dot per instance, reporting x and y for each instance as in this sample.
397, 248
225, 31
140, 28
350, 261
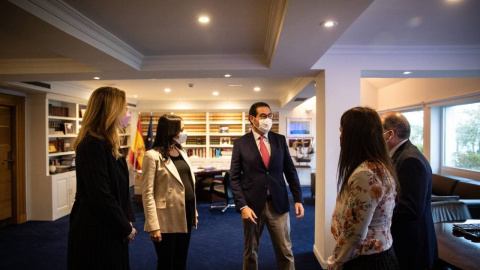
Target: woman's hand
130, 237
156, 236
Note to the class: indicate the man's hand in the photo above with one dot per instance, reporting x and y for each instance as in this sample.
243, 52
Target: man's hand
299, 210
248, 214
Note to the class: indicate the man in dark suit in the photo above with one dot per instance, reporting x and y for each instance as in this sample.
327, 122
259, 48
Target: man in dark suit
260, 159
414, 239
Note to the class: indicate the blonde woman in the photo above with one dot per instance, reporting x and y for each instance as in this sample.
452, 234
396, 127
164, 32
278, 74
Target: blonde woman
102, 215
169, 194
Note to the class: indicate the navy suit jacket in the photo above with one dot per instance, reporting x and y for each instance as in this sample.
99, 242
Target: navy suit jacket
249, 178
414, 239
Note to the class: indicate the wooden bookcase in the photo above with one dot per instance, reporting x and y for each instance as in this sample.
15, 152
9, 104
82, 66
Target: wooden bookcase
54, 124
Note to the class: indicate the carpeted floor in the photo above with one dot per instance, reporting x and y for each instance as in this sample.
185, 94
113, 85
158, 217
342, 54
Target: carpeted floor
216, 244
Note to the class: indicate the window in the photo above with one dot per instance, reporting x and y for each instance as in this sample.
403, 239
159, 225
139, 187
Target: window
462, 136
415, 118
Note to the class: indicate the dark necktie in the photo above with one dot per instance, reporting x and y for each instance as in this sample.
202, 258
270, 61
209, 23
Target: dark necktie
264, 152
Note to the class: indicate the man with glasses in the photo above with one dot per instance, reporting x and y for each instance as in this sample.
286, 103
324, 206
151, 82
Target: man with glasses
260, 160
414, 239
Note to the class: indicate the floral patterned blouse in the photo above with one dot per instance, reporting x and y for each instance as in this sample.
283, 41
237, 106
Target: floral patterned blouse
363, 215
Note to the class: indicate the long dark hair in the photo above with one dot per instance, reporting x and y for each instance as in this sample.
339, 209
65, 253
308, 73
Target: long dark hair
169, 126
362, 140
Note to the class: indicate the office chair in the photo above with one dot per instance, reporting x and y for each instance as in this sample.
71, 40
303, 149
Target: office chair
222, 189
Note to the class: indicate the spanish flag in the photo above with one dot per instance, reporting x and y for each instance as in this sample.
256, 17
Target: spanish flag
137, 150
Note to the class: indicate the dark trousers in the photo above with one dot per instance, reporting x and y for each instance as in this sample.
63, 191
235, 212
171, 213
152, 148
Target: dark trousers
385, 260
172, 250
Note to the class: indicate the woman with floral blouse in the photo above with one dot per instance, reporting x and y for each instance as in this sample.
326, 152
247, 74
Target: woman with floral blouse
366, 195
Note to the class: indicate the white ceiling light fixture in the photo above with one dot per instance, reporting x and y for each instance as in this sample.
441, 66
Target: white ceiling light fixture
204, 19
329, 24
407, 72
96, 78
167, 90
257, 89
215, 93
227, 75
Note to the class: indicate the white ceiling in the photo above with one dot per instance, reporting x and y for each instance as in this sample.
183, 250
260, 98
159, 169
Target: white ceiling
144, 47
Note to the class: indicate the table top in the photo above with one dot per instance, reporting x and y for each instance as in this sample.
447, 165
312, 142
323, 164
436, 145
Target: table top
211, 172
456, 249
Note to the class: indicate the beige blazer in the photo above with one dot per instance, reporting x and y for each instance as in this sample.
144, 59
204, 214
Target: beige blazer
163, 194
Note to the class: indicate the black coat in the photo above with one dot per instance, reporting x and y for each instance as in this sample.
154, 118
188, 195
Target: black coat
102, 211
414, 239
247, 163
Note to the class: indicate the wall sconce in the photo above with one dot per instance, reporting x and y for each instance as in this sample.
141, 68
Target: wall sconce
308, 109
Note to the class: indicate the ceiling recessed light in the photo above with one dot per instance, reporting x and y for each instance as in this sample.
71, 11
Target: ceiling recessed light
257, 89
329, 23
96, 78
215, 93
135, 96
204, 19
167, 90
407, 72
227, 75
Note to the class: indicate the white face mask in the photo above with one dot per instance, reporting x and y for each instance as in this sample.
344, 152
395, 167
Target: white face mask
264, 125
182, 137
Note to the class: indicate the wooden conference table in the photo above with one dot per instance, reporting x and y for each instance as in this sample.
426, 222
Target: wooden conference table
456, 249
204, 179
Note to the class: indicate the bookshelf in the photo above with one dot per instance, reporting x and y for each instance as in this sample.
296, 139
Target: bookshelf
210, 134
55, 121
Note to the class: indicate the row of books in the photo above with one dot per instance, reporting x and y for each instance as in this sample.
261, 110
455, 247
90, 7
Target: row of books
186, 117
225, 117
57, 126
194, 117
200, 152
220, 152
199, 140
57, 111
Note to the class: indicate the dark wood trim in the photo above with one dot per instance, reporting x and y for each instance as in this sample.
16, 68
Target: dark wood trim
19, 197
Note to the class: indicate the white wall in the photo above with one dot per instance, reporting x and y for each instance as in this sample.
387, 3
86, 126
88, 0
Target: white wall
411, 92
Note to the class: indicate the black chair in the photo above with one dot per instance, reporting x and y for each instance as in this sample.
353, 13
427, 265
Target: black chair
223, 190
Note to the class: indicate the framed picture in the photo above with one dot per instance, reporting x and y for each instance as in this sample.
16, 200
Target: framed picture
81, 112
67, 145
69, 128
224, 140
223, 129
299, 127
52, 146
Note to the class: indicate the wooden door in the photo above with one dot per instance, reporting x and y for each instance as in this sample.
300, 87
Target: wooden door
5, 164
13, 201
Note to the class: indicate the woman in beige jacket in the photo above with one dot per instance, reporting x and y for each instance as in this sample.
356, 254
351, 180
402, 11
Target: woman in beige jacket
169, 194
